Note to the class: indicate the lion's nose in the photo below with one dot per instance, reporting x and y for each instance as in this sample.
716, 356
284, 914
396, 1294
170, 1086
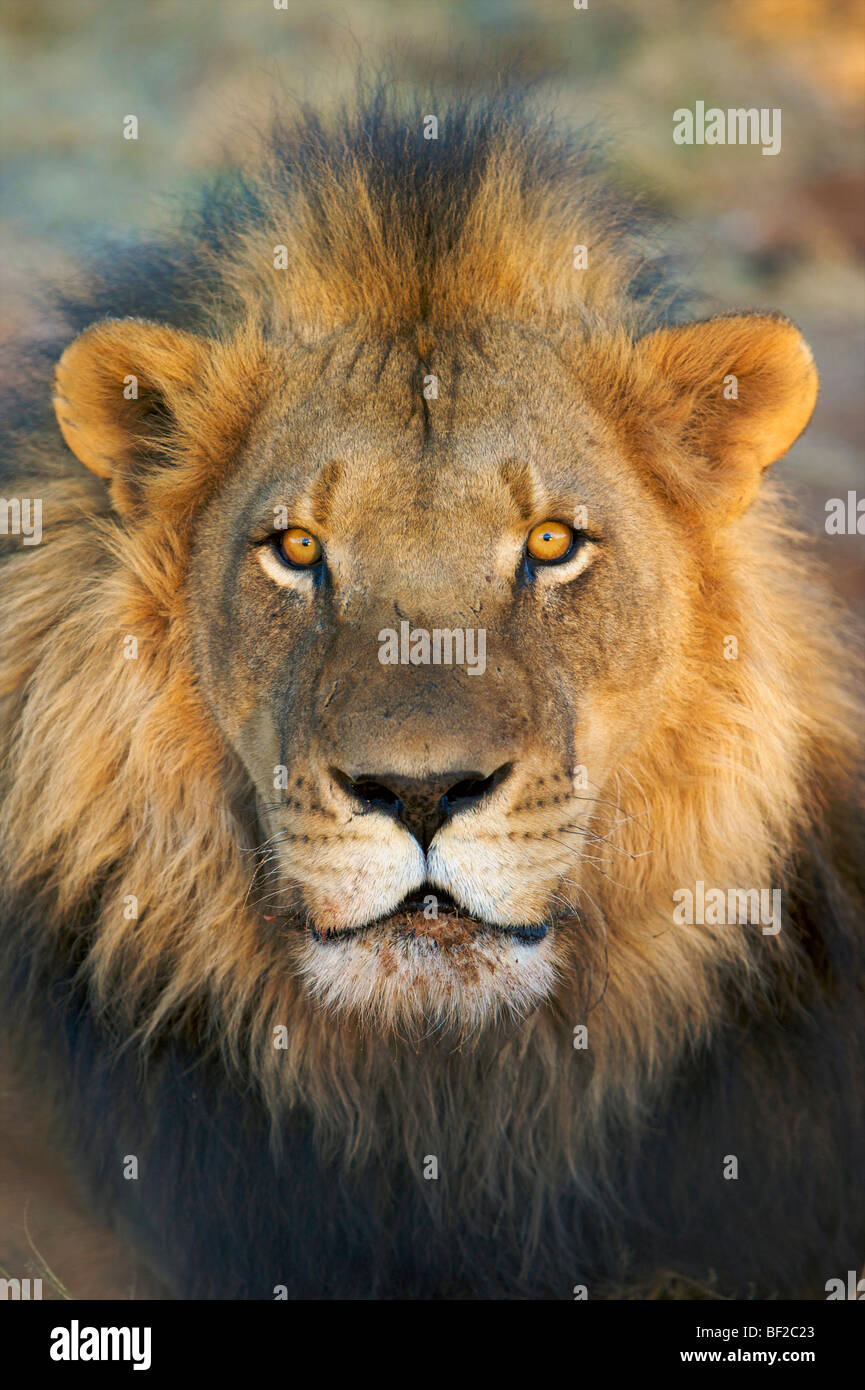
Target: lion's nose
422, 804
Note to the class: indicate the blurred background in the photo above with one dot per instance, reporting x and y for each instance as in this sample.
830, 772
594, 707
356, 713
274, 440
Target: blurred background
786, 232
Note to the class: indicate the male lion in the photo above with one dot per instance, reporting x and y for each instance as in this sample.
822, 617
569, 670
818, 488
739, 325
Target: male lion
414, 706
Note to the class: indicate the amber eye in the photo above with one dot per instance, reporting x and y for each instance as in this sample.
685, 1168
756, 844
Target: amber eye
550, 541
299, 547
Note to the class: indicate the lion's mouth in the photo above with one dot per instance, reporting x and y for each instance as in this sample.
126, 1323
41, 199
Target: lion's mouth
433, 915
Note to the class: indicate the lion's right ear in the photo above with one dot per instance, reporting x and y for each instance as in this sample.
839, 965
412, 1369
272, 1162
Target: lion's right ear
117, 389
740, 389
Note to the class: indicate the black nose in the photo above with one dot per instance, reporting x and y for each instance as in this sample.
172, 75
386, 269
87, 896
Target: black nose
423, 804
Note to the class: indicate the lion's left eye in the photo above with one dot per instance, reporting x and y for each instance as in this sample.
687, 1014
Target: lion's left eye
299, 547
551, 542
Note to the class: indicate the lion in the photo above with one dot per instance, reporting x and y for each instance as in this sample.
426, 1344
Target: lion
432, 829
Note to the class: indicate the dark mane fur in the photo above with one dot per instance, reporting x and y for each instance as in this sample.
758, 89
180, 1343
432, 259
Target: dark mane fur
202, 274
237, 1194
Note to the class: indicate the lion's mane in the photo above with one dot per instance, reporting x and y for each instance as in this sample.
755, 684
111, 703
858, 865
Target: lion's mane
118, 790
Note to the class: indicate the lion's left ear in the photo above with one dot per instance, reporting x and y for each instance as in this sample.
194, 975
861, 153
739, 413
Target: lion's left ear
118, 390
744, 387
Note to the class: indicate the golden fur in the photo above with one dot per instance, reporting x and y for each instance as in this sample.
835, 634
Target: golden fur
129, 779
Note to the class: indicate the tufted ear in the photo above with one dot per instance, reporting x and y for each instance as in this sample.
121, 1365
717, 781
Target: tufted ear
117, 390
743, 389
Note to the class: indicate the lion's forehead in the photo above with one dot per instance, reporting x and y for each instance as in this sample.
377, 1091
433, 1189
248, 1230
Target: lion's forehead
380, 439
504, 382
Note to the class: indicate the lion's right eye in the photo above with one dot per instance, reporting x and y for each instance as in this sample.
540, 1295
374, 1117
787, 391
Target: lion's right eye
551, 542
299, 548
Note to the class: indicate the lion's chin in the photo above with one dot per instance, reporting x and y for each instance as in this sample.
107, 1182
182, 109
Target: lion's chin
448, 924
451, 971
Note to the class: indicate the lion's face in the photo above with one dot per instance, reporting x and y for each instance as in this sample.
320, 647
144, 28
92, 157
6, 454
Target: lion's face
427, 711
436, 697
